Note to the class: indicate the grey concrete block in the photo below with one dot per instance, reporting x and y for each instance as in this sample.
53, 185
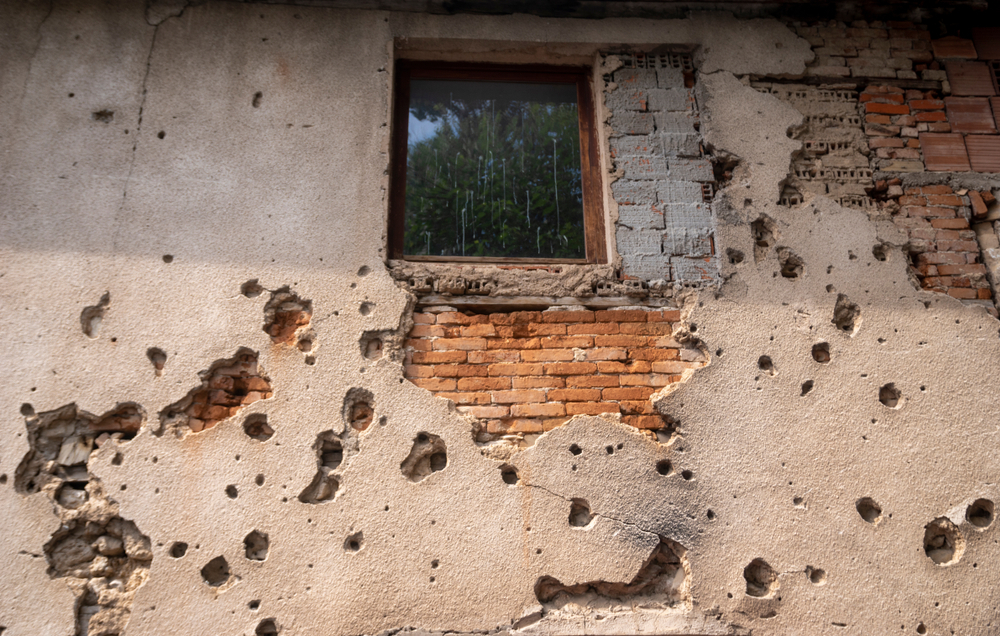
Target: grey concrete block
671, 99
643, 167
691, 170
647, 267
640, 216
635, 145
688, 241
638, 242
675, 122
635, 78
681, 144
626, 99
669, 78
675, 191
627, 122
694, 269
627, 192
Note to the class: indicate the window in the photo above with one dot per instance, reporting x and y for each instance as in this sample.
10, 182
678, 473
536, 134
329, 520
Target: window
495, 164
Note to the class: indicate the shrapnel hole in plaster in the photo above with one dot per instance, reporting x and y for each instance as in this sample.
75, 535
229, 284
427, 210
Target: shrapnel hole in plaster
821, 352
869, 510
509, 474
764, 235
881, 252
178, 549
371, 346
943, 543
359, 408
256, 426
761, 579
890, 396
256, 545
257, 97
158, 358
980, 513
846, 315
664, 467
216, 572
579, 513
267, 627
287, 317
765, 364
251, 288
791, 264
103, 116
354, 542
226, 387
428, 455
91, 316
807, 386
232, 491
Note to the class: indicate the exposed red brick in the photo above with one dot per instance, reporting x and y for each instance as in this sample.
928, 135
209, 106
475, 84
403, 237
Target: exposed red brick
887, 109
944, 199
944, 152
594, 355
424, 319
434, 384
620, 315
472, 331
522, 396
586, 381
516, 317
459, 344
560, 342
647, 329
627, 393
548, 355
960, 270
978, 205
485, 412
621, 341
513, 343
886, 142
927, 104
487, 357
575, 395
593, 329
570, 368
567, 316
438, 357
936, 189
417, 344
664, 315
950, 224
483, 384
591, 408
515, 369
537, 410
537, 382
459, 370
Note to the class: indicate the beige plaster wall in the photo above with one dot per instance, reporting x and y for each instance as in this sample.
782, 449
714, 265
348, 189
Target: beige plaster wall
292, 192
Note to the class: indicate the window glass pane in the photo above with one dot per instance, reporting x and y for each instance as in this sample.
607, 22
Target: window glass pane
493, 169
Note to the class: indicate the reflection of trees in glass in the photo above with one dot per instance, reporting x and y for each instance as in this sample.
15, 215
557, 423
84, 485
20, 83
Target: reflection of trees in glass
495, 178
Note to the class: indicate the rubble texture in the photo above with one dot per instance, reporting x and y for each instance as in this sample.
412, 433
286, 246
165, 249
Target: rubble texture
194, 199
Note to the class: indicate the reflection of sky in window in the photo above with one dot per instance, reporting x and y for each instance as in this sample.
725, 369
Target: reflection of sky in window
420, 129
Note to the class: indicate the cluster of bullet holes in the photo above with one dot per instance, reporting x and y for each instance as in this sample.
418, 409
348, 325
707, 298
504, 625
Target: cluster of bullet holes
330, 455
267, 627
765, 364
846, 315
890, 396
216, 572
821, 352
943, 543
104, 116
359, 409
91, 316
870, 511
287, 317
761, 579
579, 513
763, 230
509, 474
354, 542
158, 358
428, 455
256, 545
256, 426
791, 263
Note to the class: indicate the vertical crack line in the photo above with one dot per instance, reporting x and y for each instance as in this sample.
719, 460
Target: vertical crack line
34, 54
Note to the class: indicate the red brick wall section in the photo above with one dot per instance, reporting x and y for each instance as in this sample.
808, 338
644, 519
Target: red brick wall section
530, 371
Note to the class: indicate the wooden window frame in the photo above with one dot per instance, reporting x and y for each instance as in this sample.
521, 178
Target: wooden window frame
595, 240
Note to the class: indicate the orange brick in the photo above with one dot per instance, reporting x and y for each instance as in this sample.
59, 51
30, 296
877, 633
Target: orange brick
956, 292
417, 345
516, 317
486, 357
664, 315
453, 318
627, 393
604, 354
611, 367
537, 382
438, 357
522, 396
418, 371
620, 315
531, 329
554, 422
561, 342
912, 199
648, 329
636, 407
878, 119
636, 379
424, 319
638, 366
473, 331
936, 189
434, 384
515, 426
944, 199
653, 354
466, 398
483, 384
621, 340
459, 370
670, 367
484, 412
547, 355
950, 224
932, 116
515, 369
961, 270
459, 344
984, 293
927, 104
593, 329
592, 380
513, 343
537, 410
575, 395
426, 331
570, 368
649, 422
591, 408
568, 316
887, 109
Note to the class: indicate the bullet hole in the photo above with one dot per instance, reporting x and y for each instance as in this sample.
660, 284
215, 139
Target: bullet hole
791, 263
286, 314
216, 571
830, 288
27, 410
574, 449
371, 347
851, 255
251, 289
168, 258
579, 513
889, 396
663, 467
117, 459
509, 474
943, 543
980, 513
821, 352
798, 502
869, 510
231, 491
72, 95
762, 580
158, 358
256, 426
692, 327
311, 360
620, 446
91, 317
359, 410
718, 353
3, 479
610, 450
124, 487
103, 116
178, 549
366, 308
257, 97
266, 627
161, 134
687, 475
763, 237
428, 455
72, 494
354, 542
364, 270
921, 629
807, 386
305, 343
765, 364
881, 252
255, 546
710, 514
817, 576
259, 479
846, 315
434, 564
254, 605
735, 256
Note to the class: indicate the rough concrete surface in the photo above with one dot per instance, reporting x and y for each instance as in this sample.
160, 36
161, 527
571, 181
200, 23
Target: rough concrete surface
244, 161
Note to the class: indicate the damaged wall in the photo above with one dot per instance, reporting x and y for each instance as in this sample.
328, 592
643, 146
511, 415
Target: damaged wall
207, 420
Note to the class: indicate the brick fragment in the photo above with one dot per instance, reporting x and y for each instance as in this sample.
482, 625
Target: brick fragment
575, 395
621, 315
515, 369
487, 357
537, 382
522, 396
438, 357
593, 329
978, 205
537, 410
547, 355
590, 381
561, 342
434, 384
591, 408
484, 412
459, 370
570, 368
